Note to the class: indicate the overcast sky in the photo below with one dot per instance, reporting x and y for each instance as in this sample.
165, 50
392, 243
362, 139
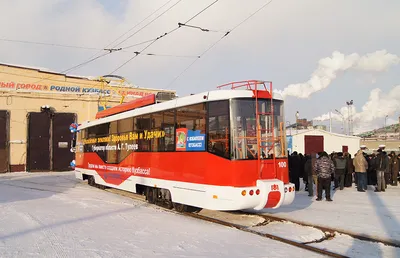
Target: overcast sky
286, 43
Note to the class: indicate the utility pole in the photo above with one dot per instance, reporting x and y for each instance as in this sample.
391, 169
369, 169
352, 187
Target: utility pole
349, 109
297, 122
330, 121
343, 121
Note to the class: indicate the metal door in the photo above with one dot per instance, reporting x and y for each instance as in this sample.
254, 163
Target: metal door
313, 144
62, 156
38, 143
4, 141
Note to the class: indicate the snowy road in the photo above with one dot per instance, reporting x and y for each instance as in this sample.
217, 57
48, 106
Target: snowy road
52, 215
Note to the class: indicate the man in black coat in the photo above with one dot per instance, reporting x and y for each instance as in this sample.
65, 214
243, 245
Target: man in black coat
295, 169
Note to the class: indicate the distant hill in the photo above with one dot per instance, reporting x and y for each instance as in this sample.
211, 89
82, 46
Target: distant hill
390, 129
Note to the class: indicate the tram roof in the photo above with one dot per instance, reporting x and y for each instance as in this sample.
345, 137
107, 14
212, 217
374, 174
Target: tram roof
178, 102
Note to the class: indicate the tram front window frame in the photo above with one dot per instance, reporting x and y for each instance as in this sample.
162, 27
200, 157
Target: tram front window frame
244, 132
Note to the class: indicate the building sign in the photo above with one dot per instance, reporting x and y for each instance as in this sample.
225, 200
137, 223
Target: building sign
189, 140
11, 85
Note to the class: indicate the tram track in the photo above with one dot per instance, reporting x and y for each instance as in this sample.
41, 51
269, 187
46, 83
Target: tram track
237, 226
332, 231
329, 233
212, 217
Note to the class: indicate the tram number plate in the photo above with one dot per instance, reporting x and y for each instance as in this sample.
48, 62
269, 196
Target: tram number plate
282, 164
274, 187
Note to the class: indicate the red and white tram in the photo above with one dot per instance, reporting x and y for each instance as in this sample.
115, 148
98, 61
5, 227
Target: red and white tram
220, 150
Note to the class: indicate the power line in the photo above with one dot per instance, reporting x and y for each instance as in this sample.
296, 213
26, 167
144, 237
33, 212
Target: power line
133, 34
165, 34
137, 53
111, 50
140, 43
152, 54
139, 23
91, 48
198, 27
197, 14
208, 49
86, 62
47, 44
251, 15
77, 66
95, 57
131, 28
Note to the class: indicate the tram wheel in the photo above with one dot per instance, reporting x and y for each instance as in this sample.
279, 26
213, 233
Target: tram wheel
91, 181
169, 205
150, 196
193, 209
179, 207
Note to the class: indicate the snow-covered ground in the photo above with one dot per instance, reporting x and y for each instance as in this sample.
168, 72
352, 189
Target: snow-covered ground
51, 215
345, 245
286, 230
55, 215
371, 213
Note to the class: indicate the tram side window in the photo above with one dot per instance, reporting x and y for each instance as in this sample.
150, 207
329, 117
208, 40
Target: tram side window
218, 128
157, 120
168, 126
143, 123
95, 132
193, 118
112, 153
125, 126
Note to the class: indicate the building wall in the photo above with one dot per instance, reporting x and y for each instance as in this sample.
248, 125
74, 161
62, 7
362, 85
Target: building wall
26, 90
332, 142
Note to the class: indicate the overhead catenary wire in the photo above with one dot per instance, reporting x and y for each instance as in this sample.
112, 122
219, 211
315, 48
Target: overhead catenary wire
137, 24
162, 6
110, 50
163, 35
157, 17
92, 48
48, 44
215, 43
198, 27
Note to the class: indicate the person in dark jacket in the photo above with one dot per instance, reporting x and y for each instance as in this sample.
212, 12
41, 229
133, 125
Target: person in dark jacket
308, 169
381, 166
371, 173
394, 163
340, 170
388, 171
324, 168
294, 170
348, 178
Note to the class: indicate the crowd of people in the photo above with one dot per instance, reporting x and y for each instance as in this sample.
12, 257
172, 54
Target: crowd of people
379, 169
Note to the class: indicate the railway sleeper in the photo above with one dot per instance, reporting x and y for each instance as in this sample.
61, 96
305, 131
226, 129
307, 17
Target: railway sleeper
162, 197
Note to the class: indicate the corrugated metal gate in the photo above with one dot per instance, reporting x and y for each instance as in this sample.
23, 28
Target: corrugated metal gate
4, 141
49, 141
38, 143
62, 156
313, 144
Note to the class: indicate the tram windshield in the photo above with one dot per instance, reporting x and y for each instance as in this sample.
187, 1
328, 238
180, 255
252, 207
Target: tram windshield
244, 129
